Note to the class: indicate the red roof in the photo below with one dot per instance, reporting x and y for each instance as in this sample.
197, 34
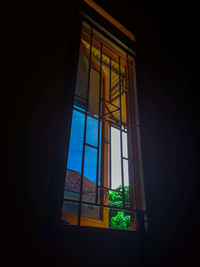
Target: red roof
72, 183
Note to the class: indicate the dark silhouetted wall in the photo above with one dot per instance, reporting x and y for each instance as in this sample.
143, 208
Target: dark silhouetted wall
35, 52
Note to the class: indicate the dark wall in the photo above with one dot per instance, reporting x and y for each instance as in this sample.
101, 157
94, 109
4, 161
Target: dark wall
168, 93
35, 50
168, 96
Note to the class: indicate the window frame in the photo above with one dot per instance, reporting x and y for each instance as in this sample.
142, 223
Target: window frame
52, 227
87, 221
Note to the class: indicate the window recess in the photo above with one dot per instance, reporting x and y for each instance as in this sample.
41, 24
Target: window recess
103, 158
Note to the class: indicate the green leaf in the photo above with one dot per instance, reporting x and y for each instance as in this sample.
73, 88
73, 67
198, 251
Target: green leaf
119, 219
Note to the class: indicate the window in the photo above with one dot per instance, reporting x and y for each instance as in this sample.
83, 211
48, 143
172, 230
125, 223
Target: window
103, 169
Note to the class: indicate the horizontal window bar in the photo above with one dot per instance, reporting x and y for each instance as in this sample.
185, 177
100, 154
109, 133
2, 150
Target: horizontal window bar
114, 126
102, 99
110, 189
106, 65
99, 205
109, 113
126, 158
109, 36
95, 147
79, 110
103, 45
78, 96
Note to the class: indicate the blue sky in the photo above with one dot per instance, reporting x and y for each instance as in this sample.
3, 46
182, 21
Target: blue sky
90, 164
76, 145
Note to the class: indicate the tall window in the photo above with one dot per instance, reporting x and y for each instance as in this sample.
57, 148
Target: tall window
100, 187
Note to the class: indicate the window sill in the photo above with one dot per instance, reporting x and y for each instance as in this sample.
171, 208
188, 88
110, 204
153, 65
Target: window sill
92, 235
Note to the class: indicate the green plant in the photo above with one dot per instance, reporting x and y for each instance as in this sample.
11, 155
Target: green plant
119, 219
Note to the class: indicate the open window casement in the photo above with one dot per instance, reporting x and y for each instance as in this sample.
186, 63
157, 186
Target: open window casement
100, 182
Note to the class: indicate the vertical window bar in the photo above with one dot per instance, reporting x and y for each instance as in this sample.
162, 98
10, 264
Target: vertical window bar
110, 170
98, 150
131, 165
110, 79
85, 126
121, 145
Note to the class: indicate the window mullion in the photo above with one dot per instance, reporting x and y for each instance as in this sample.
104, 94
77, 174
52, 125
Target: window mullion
110, 170
98, 144
132, 183
85, 126
121, 145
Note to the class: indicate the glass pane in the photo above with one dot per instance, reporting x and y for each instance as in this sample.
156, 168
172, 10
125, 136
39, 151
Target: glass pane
92, 131
109, 43
114, 85
82, 79
76, 141
82, 76
93, 107
91, 211
70, 213
123, 106
89, 179
99, 178
119, 219
73, 173
108, 218
115, 158
126, 174
124, 145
